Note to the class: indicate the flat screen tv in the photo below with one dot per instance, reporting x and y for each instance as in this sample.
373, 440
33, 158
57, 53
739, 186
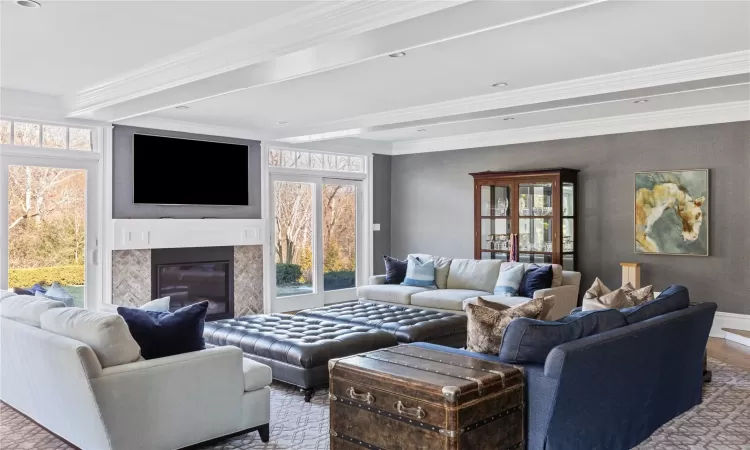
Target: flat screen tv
171, 171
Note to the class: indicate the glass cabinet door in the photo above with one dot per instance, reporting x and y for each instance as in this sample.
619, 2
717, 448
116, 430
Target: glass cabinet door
568, 228
535, 222
495, 221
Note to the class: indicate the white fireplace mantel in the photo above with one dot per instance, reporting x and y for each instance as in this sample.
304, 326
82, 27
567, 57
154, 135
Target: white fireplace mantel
131, 234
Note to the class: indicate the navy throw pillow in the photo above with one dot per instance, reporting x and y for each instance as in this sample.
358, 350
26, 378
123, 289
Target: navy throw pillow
395, 270
163, 334
674, 298
529, 340
534, 279
22, 291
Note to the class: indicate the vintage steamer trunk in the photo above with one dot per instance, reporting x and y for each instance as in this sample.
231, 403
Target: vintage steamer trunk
409, 398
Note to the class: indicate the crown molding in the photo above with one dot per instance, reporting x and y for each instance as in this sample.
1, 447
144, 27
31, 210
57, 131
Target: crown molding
184, 126
301, 28
674, 118
677, 72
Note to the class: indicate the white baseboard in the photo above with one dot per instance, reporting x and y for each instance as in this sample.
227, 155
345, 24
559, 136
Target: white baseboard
738, 339
729, 320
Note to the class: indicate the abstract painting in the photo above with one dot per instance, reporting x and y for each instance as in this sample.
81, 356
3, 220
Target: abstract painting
671, 212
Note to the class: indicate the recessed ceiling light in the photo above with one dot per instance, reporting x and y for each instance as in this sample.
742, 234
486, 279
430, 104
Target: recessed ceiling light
283, 122
509, 118
501, 84
397, 55
643, 100
421, 129
29, 3
182, 107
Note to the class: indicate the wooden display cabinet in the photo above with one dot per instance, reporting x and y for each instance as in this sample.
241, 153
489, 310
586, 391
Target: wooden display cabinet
539, 205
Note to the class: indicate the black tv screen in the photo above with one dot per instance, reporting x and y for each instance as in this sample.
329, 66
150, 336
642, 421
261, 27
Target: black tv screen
171, 171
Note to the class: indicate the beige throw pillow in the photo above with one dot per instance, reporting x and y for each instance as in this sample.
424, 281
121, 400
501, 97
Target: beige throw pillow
597, 289
615, 299
486, 325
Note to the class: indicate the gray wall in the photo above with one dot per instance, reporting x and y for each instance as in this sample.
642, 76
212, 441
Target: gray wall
381, 210
432, 208
122, 185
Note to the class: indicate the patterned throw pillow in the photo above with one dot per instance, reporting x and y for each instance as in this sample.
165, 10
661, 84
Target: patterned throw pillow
509, 281
419, 273
597, 289
492, 305
486, 326
638, 296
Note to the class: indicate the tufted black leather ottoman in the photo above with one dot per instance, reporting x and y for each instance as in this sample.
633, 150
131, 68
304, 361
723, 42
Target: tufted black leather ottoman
407, 324
296, 348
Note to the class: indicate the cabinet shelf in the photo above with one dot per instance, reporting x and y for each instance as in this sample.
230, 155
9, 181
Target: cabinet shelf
495, 217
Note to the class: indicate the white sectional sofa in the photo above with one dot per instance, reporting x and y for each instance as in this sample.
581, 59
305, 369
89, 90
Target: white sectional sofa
158, 404
461, 281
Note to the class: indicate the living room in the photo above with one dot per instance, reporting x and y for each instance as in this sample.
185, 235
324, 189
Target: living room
365, 224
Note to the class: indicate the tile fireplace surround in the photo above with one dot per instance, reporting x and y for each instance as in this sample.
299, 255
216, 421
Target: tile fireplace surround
131, 278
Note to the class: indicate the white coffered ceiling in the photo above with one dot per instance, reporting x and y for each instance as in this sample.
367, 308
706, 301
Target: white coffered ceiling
305, 71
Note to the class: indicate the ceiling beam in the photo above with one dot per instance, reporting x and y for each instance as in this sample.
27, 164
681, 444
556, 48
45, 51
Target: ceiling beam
717, 66
422, 24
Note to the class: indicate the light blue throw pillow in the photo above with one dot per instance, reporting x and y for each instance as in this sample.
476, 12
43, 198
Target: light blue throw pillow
419, 273
160, 305
509, 281
56, 292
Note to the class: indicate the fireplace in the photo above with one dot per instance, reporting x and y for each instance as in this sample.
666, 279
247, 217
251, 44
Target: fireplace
192, 275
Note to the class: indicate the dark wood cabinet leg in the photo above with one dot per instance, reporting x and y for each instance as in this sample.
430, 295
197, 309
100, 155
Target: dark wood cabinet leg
264, 431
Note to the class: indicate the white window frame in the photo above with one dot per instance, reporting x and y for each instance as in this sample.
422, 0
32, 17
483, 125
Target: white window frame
89, 160
364, 228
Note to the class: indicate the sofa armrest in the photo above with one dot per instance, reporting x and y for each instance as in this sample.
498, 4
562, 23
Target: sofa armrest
191, 397
566, 298
377, 279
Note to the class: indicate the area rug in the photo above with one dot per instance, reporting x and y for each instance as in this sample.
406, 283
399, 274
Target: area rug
721, 422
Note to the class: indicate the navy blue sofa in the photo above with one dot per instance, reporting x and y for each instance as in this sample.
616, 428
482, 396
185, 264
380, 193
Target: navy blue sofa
612, 390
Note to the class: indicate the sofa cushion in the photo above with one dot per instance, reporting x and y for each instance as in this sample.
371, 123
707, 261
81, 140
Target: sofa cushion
539, 277
163, 334
6, 294
529, 340
442, 268
57, 292
107, 334
257, 375
509, 281
390, 293
451, 299
485, 327
673, 298
472, 274
419, 273
395, 270
26, 308
507, 301
557, 270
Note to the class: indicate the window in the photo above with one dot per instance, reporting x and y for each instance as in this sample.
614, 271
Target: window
31, 134
303, 159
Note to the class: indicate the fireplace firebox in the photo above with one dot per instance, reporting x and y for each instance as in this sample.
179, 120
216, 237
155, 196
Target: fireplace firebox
192, 275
